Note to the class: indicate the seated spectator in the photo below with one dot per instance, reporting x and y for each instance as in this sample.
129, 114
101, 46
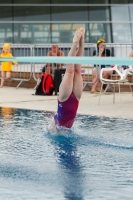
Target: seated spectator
55, 51
101, 51
56, 69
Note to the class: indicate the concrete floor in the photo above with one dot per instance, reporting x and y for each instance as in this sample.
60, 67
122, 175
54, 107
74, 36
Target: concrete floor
23, 98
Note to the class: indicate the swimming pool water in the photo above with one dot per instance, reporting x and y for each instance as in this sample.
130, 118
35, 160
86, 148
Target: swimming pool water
95, 161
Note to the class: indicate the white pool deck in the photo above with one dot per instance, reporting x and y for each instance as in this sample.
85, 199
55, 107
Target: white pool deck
23, 98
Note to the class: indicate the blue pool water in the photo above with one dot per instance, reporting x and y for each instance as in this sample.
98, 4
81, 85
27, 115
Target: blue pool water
95, 161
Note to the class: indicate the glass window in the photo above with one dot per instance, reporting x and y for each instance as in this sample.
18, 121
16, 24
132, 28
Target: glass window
119, 13
69, 2
31, 13
99, 13
131, 12
5, 2
31, 1
132, 32
79, 2
6, 34
6, 14
98, 30
118, 1
32, 33
63, 33
121, 33
98, 2
71, 13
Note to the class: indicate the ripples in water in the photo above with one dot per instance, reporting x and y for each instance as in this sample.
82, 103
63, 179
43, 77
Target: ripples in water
93, 162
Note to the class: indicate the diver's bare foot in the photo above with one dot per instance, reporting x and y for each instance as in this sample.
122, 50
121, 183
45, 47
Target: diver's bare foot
77, 36
1, 86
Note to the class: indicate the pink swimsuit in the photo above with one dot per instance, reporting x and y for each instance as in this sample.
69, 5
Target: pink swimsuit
66, 112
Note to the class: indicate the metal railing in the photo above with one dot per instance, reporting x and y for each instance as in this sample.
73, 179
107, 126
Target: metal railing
42, 50
25, 71
22, 72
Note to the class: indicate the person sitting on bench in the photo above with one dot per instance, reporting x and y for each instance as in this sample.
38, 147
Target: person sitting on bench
56, 69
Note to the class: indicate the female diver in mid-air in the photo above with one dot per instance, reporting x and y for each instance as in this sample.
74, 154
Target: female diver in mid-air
70, 90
